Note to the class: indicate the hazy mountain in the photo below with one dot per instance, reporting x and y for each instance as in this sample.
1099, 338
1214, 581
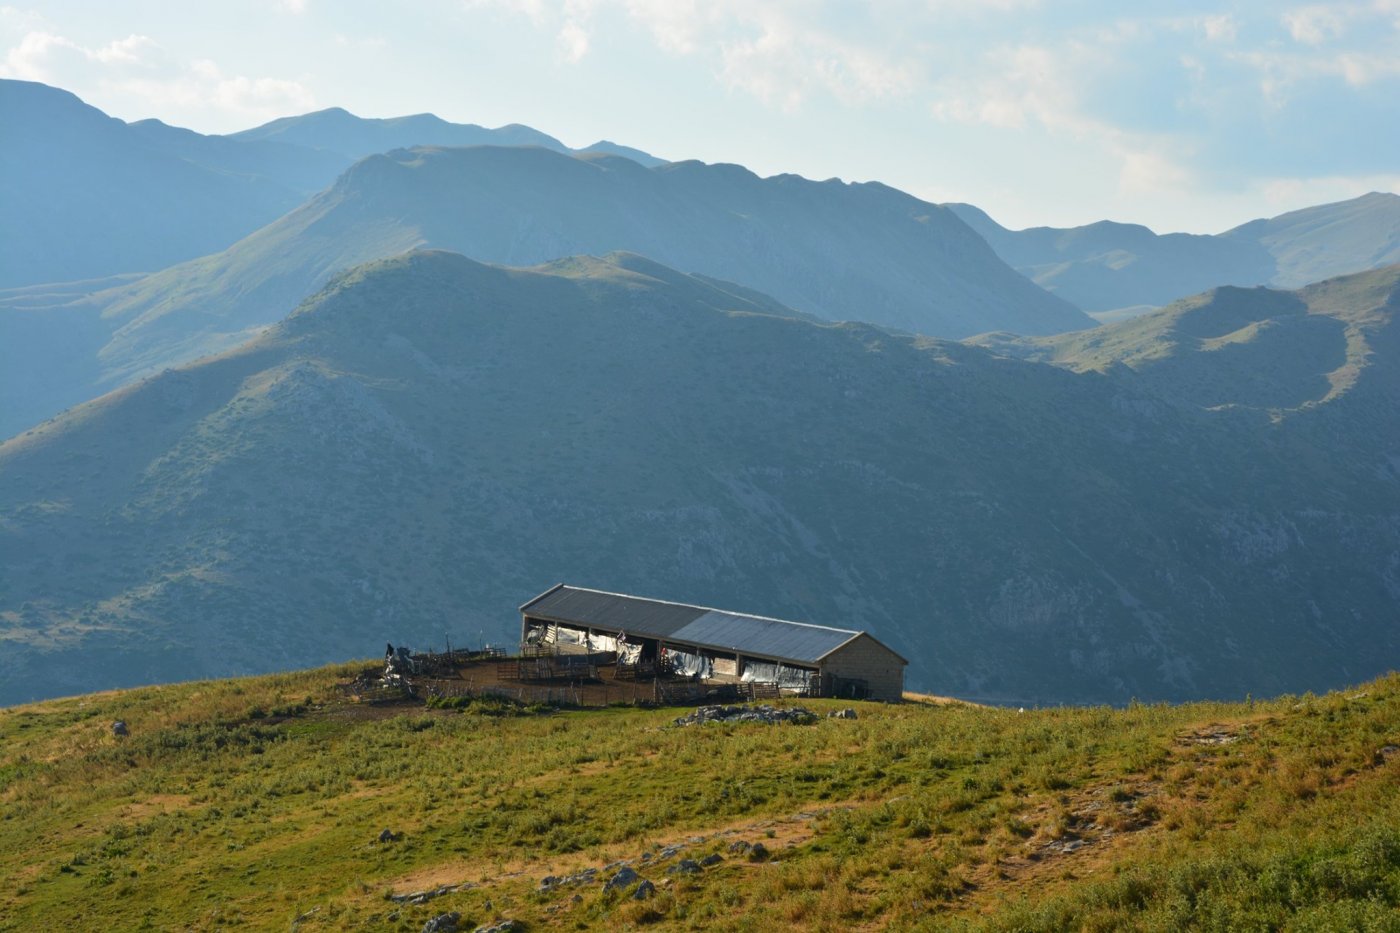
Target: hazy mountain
337, 130
1331, 239
861, 251
87, 195
428, 441
1106, 266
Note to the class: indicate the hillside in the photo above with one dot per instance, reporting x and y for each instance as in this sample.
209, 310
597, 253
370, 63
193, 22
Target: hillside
86, 195
1107, 266
861, 251
429, 441
1328, 240
263, 802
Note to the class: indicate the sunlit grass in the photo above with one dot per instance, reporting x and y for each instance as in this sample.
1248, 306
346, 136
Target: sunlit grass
254, 801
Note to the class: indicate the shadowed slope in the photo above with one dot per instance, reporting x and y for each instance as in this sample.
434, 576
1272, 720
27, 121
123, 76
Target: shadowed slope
429, 440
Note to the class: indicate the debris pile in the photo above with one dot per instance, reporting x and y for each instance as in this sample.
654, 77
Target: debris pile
765, 714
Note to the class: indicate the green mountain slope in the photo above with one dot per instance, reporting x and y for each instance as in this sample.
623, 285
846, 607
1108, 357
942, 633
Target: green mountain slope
430, 440
1104, 267
838, 251
264, 803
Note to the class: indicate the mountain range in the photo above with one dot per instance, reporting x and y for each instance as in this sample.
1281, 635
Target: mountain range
87, 195
830, 249
1109, 267
429, 440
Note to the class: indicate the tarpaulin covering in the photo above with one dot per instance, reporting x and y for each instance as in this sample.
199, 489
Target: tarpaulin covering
765, 673
598, 642
690, 665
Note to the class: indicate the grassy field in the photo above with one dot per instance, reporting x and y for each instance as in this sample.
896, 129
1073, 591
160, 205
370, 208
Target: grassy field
259, 803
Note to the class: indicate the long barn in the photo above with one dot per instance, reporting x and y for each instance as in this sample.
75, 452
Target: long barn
712, 644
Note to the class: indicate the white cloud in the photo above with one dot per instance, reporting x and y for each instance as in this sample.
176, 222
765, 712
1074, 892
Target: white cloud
40, 56
1315, 25
135, 76
573, 41
1222, 28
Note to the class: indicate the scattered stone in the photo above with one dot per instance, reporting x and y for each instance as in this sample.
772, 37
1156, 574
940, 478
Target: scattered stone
669, 851
422, 897
119, 727
505, 926
587, 876
443, 923
624, 878
1388, 751
712, 859
764, 714
686, 866
576, 899
740, 847
846, 713
758, 852
388, 835
644, 891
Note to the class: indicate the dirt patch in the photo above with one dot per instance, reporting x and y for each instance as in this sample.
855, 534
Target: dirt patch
154, 805
776, 833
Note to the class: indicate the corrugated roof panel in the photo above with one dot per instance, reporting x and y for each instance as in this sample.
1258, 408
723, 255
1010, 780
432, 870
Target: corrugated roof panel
774, 638
613, 610
723, 631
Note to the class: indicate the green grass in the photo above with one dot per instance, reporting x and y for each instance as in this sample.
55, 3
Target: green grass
252, 802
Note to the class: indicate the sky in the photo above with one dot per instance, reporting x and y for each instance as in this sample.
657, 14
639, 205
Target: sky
1182, 116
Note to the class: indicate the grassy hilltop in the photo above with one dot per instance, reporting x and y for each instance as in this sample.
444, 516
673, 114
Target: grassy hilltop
259, 803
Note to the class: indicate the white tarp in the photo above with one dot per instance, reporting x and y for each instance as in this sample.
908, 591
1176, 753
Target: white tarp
690, 665
598, 642
765, 673
563, 635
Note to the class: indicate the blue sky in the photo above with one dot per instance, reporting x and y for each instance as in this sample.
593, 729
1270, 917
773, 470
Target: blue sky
1182, 116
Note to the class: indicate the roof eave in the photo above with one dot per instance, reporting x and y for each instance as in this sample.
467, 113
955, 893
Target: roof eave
552, 589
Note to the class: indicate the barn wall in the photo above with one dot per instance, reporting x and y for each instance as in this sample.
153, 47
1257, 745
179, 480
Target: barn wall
866, 659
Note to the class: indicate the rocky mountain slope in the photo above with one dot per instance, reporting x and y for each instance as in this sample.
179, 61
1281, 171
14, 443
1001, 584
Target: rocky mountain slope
1107, 266
839, 251
428, 441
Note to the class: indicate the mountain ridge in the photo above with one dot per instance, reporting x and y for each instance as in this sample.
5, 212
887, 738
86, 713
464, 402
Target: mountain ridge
825, 248
1107, 266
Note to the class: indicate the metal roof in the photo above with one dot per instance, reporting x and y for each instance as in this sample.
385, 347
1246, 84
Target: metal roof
759, 636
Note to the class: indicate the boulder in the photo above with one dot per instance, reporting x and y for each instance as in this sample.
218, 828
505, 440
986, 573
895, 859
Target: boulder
443, 923
644, 890
625, 877
119, 727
